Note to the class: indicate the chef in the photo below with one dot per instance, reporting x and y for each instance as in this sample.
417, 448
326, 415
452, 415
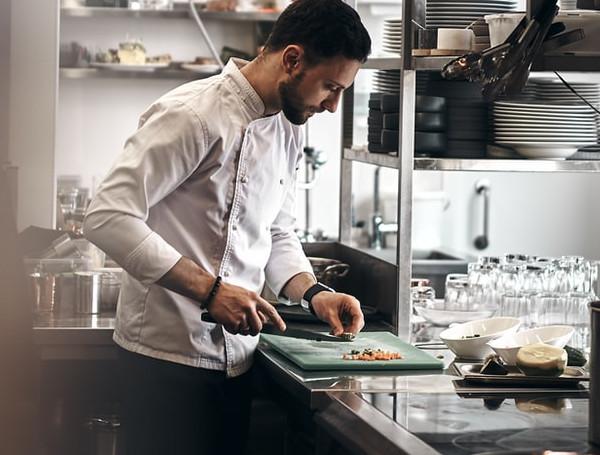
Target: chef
199, 210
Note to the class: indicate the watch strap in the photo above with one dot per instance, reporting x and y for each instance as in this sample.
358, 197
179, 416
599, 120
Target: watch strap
306, 301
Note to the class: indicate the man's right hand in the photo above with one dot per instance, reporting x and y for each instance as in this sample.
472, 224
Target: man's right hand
242, 311
237, 309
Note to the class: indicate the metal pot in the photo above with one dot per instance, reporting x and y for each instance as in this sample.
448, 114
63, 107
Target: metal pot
329, 271
105, 435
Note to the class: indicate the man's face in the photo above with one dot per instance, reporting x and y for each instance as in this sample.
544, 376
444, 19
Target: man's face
316, 89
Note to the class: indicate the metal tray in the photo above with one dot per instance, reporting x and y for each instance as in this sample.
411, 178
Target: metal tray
470, 372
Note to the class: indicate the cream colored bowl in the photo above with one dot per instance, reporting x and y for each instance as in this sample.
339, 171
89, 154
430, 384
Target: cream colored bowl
508, 345
469, 340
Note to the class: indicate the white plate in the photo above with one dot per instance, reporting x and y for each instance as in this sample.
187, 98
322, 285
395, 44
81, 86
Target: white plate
537, 105
125, 67
507, 4
201, 68
531, 123
537, 150
548, 139
568, 117
545, 131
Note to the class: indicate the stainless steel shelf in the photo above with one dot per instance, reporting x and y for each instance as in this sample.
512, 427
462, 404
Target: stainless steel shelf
431, 63
97, 73
180, 11
382, 63
477, 165
546, 63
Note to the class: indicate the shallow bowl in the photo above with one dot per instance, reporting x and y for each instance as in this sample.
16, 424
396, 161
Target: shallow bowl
436, 314
469, 339
508, 345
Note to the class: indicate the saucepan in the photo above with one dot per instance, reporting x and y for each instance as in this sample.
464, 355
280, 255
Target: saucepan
329, 271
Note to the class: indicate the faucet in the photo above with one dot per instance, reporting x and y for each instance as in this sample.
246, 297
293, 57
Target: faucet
378, 227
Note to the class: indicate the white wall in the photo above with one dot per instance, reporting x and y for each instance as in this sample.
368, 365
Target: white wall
33, 83
4, 78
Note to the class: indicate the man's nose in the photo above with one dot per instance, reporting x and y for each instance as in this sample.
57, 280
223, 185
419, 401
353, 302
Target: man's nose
332, 101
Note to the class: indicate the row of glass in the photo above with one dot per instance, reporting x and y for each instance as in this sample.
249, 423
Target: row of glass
540, 291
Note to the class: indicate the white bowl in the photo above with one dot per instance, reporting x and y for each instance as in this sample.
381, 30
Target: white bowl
508, 345
436, 314
469, 340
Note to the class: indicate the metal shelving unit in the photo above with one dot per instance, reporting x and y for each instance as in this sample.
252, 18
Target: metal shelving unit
476, 165
178, 12
405, 162
97, 73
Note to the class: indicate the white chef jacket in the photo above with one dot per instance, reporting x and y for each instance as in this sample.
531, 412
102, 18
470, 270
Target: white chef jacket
207, 175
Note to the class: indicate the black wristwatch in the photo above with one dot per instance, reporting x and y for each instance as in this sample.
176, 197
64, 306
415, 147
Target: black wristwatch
310, 293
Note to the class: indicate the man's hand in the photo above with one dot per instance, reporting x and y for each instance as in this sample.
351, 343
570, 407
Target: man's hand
341, 311
242, 311
238, 309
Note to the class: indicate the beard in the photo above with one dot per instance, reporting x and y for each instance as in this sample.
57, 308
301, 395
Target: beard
292, 105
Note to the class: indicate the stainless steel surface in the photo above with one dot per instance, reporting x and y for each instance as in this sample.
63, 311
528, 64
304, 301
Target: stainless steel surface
451, 419
95, 73
415, 412
87, 292
480, 165
178, 11
79, 337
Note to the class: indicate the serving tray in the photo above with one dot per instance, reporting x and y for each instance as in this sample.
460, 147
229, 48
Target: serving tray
470, 372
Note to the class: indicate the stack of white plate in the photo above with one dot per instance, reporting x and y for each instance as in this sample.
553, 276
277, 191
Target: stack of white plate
386, 81
542, 129
392, 36
460, 14
553, 90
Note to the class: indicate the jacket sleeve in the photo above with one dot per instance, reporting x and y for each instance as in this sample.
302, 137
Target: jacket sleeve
163, 152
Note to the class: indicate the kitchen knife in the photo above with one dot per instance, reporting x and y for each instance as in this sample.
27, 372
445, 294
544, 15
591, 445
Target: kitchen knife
270, 328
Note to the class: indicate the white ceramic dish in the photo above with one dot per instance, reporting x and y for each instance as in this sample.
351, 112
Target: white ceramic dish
436, 314
125, 67
508, 345
546, 151
469, 340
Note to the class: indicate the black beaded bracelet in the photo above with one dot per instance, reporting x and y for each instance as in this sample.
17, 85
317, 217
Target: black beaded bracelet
213, 292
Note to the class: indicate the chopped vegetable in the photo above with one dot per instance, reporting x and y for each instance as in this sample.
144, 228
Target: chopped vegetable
372, 354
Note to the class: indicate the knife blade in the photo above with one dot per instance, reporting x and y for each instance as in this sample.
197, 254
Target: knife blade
272, 329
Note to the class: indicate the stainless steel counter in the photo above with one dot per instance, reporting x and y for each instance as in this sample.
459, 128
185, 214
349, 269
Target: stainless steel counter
412, 412
430, 413
76, 337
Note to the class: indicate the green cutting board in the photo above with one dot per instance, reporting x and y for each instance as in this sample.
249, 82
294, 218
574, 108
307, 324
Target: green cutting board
328, 355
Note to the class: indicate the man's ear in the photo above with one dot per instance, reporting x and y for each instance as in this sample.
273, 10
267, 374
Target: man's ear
291, 58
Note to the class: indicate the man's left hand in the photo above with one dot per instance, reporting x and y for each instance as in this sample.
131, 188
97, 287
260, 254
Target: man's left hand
341, 311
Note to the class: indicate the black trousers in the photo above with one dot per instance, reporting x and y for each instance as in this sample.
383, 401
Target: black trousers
174, 409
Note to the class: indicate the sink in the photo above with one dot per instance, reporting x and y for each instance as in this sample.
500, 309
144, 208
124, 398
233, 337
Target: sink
431, 264
373, 273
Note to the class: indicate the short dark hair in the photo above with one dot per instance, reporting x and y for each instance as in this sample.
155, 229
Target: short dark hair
324, 28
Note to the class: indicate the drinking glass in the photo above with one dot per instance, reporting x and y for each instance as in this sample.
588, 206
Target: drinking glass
456, 291
578, 316
518, 305
550, 308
